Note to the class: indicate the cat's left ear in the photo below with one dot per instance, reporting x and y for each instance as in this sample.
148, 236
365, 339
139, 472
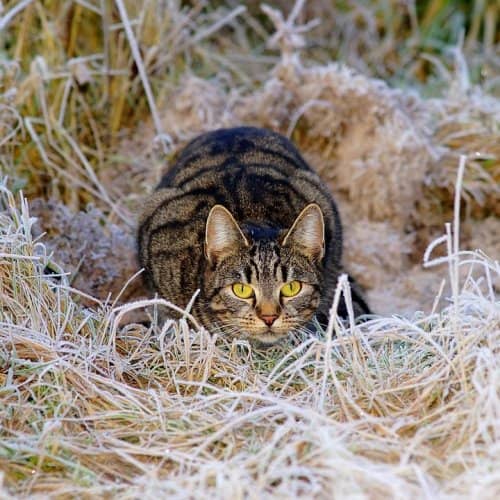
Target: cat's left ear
307, 234
223, 236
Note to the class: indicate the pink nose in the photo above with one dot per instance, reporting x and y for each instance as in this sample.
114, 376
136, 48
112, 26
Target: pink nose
269, 319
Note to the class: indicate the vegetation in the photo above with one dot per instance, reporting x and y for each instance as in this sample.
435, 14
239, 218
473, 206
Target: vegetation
96, 97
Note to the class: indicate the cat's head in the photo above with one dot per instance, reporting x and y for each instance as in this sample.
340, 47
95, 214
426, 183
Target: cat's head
263, 284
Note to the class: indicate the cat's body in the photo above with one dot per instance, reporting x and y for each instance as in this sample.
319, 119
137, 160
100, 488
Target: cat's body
259, 185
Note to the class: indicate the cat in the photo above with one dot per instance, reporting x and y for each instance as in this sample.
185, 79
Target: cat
243, 218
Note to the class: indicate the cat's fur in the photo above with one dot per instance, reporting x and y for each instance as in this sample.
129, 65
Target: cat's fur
260, 187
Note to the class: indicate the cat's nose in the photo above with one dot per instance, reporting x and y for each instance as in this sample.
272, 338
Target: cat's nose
269, 319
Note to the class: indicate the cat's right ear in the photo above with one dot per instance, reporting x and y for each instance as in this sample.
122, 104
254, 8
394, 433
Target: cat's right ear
223, 236
307, 234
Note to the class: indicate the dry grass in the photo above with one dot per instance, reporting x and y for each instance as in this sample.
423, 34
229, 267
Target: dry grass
390, 408
95, 97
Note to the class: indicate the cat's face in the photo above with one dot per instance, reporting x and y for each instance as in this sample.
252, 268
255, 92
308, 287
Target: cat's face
266, 287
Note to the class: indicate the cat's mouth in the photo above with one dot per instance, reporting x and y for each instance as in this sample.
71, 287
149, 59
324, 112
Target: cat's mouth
268, 339
268, 335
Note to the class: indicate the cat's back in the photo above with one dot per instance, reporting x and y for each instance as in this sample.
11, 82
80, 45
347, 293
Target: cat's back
257, 174
220, 154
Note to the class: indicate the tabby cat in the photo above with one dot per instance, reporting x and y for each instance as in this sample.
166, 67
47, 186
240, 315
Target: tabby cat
243, 218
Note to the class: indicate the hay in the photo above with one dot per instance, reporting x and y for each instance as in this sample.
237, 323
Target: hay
95, 100
390, 408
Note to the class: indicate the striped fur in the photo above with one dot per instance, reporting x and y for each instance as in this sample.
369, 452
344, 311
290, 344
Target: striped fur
262, 180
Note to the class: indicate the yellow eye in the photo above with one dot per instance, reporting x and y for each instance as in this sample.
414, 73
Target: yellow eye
242, 291
291, 288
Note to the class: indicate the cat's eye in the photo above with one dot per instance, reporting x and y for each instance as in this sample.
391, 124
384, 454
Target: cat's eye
291, 288
242, 291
